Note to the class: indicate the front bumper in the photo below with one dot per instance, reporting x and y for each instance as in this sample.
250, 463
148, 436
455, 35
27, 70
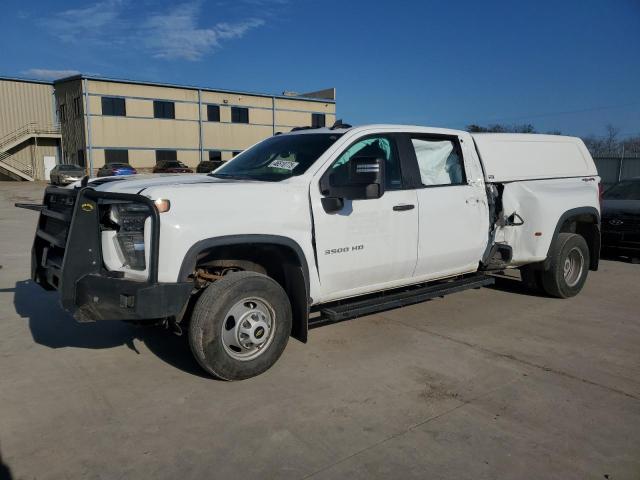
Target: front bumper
622, 241
67, 256
102, 298
66, 180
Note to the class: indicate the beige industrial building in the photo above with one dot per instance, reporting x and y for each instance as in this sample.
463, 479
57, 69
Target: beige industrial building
29, 134
91, 121
112, 121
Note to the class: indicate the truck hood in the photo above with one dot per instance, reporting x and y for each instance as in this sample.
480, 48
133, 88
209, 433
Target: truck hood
620, 207
139, 183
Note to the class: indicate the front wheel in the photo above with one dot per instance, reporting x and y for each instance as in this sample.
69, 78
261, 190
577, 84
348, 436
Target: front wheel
240, 325
568, 266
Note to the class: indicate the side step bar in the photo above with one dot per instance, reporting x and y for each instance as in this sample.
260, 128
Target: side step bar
396, 298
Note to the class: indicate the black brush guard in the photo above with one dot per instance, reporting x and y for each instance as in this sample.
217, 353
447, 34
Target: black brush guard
67, 256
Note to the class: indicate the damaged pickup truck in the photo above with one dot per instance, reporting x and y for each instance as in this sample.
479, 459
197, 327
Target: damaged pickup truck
316, 226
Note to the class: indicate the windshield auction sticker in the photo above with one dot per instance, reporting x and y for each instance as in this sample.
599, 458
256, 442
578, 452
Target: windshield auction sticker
284, 164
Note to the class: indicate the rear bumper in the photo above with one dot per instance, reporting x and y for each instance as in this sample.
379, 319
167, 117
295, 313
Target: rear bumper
67, 256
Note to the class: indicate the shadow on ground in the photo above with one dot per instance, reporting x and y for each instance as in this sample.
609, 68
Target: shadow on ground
5, 471
53, 327
613, 255
506, 283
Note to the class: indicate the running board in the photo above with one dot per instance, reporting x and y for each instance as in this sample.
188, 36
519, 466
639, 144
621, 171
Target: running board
396, 298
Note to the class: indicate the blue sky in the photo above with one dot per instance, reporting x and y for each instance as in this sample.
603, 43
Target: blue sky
567, 65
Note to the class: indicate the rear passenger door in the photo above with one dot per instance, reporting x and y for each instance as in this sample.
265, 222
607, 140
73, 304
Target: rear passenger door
452, 208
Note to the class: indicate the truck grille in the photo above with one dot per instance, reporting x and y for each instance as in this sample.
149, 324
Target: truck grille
621, 223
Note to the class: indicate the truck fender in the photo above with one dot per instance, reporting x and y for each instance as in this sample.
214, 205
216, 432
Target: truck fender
299, 303
593, 242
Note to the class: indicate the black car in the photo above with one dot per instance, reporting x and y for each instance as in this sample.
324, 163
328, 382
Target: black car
621, 218
171, 166
207, 166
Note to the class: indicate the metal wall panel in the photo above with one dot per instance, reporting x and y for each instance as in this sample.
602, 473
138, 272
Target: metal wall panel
24, 102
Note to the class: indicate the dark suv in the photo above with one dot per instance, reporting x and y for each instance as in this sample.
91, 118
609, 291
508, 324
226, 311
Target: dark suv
171, 166
621, 218
207, 166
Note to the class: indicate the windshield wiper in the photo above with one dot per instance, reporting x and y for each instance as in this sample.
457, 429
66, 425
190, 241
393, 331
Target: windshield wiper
235, 176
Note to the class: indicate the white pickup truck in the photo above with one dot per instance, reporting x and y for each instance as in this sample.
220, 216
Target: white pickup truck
319, 225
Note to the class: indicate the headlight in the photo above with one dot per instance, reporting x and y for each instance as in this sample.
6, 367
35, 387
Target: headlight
130, 218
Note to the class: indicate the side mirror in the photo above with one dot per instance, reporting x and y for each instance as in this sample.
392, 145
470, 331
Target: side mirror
366, 178
362, 180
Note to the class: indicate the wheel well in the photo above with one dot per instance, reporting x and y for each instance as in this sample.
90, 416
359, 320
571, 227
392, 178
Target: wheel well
280, 262
587, 226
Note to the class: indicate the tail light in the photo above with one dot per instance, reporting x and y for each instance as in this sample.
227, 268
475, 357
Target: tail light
600, 194
133, 170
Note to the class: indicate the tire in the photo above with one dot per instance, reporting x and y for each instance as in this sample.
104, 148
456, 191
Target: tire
229, 348
532, 278
568, 266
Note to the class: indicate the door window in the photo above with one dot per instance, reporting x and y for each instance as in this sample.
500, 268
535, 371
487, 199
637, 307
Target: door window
439, 161
377, 147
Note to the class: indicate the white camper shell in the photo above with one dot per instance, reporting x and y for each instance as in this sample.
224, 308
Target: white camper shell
508, 157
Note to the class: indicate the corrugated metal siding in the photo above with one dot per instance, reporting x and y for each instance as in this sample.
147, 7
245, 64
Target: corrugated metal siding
24, 102
73, 129
609, 168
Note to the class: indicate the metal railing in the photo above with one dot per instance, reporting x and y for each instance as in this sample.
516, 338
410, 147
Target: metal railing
12, 161
28, 130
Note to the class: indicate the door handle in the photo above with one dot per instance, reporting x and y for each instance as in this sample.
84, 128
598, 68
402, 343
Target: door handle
401, 208
473, 200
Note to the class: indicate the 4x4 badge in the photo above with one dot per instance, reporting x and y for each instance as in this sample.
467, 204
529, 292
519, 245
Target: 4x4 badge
87, 207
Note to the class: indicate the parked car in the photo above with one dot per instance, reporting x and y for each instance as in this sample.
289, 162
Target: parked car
171, 166
326, 225
66, 173
621, 218
116, 169
207, 166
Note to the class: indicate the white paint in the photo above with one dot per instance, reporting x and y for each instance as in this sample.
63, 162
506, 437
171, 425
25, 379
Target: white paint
444, 235
517, 156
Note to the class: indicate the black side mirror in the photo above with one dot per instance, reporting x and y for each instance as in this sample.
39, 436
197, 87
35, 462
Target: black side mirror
364, 180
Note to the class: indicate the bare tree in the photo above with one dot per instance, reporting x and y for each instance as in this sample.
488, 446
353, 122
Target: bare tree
611, 139
499, 128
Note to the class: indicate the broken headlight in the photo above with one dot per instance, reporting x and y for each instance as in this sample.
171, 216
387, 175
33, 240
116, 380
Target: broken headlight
129, 219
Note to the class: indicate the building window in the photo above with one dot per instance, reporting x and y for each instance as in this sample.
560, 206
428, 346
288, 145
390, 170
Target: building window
213, 113
239, 115
62, 112
77, 106
166, 155
114, 107
81, 158
318, 120
116, 156
215, 155
236, 153
164, 109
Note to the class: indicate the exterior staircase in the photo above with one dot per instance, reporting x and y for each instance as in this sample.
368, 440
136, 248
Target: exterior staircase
12, 166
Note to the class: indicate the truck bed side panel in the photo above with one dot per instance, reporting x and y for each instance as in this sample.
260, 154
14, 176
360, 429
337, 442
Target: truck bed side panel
541, 204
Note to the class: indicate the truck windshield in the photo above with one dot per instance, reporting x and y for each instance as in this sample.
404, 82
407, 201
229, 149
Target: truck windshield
278, 157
